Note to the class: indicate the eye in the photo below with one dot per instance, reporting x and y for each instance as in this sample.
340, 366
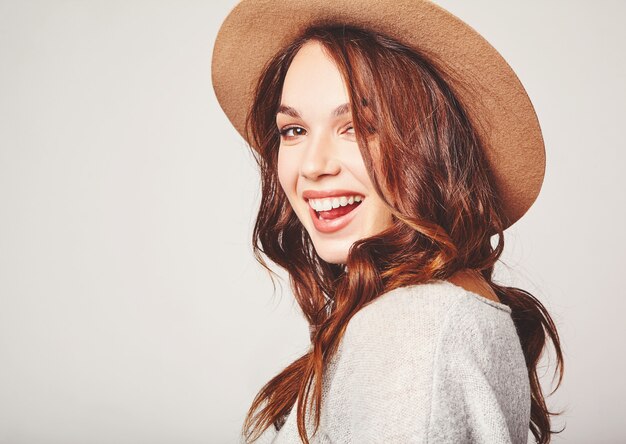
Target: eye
285, 132
349, 129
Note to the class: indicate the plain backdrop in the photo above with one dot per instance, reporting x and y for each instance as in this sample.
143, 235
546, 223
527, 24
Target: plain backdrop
131, 307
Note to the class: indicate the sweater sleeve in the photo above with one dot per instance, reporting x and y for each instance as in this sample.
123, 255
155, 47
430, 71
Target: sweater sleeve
437, 375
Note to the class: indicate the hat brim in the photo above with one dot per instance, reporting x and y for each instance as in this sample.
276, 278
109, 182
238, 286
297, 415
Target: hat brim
255, 30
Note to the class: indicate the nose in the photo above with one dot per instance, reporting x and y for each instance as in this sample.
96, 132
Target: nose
320, 158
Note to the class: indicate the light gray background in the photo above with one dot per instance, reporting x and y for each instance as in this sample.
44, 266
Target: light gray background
131, 308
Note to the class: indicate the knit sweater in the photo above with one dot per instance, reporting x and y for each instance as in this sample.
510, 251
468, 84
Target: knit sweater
429, 363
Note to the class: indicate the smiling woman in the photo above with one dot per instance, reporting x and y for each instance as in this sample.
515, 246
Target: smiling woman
320, 166
393, 144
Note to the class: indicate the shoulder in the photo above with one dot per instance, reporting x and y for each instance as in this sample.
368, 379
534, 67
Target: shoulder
429, 308
434, 321
449, 357
481, 390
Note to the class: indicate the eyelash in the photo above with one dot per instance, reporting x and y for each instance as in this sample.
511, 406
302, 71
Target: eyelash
283, 132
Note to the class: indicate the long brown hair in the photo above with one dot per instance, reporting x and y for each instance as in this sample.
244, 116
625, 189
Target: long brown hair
405, 112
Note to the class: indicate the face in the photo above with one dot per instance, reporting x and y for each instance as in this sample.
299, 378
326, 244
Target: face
320, 167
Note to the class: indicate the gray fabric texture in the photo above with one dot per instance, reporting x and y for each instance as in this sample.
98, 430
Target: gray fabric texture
430, 363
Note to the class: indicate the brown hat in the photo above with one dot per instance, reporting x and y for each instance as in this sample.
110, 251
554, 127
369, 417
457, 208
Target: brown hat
255, 30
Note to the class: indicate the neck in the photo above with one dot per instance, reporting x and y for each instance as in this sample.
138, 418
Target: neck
471, 280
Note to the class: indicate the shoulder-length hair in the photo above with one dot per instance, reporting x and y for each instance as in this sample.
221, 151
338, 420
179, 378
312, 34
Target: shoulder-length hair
426, 160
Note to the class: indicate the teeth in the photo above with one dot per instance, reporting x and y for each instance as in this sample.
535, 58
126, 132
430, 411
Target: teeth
329, 203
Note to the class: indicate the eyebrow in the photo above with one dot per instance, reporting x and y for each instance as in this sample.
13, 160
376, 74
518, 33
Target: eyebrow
288, 110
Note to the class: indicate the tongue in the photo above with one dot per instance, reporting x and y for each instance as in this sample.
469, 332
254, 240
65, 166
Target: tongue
338, 212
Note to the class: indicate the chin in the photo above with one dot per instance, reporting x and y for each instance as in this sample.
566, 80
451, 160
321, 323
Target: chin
333, 252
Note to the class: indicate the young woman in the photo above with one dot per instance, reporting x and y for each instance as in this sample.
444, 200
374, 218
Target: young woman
393, 142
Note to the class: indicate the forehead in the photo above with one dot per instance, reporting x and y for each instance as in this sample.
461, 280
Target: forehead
313, 82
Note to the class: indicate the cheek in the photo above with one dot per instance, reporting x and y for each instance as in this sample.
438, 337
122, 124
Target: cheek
381, 216
354, 162
287, 169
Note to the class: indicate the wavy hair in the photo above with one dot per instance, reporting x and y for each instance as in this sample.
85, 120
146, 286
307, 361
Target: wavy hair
444, 205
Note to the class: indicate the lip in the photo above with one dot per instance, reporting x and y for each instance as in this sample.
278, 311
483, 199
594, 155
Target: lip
314, 194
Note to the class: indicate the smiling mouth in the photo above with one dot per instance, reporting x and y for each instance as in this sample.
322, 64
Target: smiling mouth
333, 208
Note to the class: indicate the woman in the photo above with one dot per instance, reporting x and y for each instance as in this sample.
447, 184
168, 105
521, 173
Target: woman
393, 143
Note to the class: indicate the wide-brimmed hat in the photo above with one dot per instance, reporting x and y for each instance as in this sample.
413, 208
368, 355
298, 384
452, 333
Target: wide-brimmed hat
255, 30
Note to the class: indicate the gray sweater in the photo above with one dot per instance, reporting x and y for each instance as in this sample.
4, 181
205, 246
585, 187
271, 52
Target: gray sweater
430, 363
